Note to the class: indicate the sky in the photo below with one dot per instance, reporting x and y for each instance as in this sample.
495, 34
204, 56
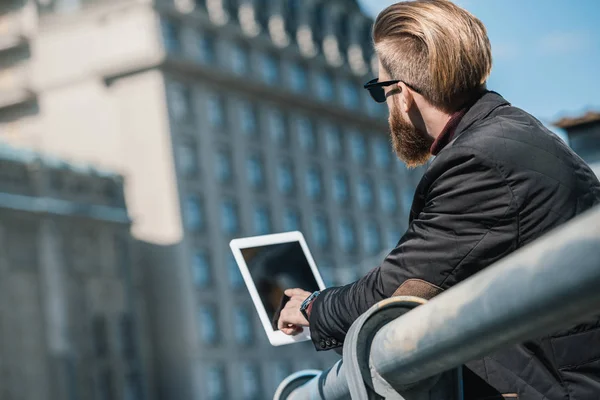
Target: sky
546, 53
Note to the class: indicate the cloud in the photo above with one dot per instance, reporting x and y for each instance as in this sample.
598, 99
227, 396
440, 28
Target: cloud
505, 51
562, 43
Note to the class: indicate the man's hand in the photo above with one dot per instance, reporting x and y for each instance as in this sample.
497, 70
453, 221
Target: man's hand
291, 319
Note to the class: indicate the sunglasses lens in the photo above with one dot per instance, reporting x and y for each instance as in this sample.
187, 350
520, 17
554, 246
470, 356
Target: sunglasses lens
378, 94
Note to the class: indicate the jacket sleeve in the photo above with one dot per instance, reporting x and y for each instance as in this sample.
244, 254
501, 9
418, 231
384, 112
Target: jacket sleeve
468, 220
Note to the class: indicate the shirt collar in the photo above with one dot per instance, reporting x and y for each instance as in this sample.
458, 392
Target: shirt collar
447, 133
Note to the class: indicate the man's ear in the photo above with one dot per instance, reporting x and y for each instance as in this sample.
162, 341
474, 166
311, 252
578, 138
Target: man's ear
407, 98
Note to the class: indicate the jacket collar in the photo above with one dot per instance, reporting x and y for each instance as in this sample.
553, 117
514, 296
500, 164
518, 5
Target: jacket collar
482, 108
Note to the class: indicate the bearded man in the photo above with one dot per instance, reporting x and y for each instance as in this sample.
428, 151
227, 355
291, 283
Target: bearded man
499, 180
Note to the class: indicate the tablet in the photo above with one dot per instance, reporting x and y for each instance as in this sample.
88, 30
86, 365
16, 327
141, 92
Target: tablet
270, 264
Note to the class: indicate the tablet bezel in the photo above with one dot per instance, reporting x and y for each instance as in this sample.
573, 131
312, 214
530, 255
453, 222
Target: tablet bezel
276, 338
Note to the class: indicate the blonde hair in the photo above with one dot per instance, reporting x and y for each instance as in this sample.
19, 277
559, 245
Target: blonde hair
435, 46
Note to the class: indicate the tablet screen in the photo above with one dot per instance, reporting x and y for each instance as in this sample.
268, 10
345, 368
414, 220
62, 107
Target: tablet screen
275, 268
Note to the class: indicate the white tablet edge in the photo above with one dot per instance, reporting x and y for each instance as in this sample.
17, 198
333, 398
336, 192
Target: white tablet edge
276, 338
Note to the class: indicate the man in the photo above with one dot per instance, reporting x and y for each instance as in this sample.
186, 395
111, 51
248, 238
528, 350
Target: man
499, 181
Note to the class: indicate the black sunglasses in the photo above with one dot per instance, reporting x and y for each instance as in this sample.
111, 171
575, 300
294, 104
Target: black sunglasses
377, 92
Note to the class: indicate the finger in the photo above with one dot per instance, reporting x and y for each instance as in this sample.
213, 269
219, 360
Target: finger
294, 303
290, 330
296, 292
298, 330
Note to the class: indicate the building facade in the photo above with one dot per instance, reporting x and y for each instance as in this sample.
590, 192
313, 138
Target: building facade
69, 314
227, 118
584, 137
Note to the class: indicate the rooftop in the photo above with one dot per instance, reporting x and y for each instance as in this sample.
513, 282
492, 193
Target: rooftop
587, 118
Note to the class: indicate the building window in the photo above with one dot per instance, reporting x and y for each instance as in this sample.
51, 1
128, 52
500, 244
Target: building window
333, 141
382, 152
327, 270
200, 4
389, 202
347, 235
171, 32
320, 231
106, 385
373, 108
127, 336
291, 220
216, 111
243, 326
350, 95
325, 87
262, 220
206, 48
358, 148
100, 336
319, 21
132, 389
207, 325
298, 77
248, 119
285, 179
223, 167
292, 16
214, 382
306, 134
281, 370
372, 238
342, 31
233, 271
250, 381
262, 13
314, 185
229, 217
269, 69
187, 159
365, 193
340, 188
255, 171
194, 220
277, 126
180, 102
240, 59
201, 270
231, 6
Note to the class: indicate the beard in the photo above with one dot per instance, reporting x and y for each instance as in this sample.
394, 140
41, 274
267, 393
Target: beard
411, 145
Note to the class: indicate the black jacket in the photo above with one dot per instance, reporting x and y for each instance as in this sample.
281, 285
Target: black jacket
503, 181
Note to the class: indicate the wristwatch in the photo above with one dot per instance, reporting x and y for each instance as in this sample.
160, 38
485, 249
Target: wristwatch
304, 307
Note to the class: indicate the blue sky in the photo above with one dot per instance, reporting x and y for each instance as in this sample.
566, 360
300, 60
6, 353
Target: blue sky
546, 52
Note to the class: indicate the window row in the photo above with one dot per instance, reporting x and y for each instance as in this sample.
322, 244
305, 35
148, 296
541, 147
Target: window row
194, 215
101, 333
202, 267
262, 224
213, 383
278, 127
188, 163
320, 232
209, 327
297, 76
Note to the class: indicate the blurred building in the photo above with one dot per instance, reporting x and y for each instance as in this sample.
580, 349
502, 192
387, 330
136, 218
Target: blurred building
584, 137
68, 308
227, 118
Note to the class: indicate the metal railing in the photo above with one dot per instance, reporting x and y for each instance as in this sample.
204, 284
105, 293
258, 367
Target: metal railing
392, 351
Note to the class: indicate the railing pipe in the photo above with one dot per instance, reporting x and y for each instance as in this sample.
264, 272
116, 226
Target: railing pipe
546, 286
